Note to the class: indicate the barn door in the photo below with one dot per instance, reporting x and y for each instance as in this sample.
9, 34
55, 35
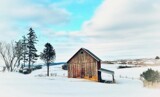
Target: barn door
90, 72
82, 71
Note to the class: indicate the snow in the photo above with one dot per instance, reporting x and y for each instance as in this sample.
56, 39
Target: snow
129, 72
58, 85
150, 62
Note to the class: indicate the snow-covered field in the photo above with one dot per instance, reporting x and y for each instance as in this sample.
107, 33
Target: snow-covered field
58, 85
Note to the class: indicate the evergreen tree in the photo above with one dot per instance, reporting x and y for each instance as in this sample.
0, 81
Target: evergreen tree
32, 56
48, 55
18, 52
25, 51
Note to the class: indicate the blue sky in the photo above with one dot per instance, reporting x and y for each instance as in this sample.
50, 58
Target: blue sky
112, 29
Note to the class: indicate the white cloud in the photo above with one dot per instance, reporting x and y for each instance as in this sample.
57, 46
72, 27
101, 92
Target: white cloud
37, 12
20, 14
124, 14
131, 26
118, 29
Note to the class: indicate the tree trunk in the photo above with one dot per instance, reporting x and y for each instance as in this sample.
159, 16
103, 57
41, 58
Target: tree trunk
29, 64
47, 69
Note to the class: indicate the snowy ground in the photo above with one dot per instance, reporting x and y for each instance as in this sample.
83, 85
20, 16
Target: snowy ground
37, 85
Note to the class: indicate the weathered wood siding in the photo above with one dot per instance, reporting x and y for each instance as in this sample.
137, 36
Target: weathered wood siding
83, 65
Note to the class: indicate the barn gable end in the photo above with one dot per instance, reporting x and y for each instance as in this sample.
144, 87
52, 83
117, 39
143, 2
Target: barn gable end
84, 64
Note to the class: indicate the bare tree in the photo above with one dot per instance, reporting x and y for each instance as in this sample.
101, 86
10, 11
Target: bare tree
3, 52
18, 52
8, 54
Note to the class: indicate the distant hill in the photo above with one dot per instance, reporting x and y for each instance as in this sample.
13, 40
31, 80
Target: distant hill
142, 61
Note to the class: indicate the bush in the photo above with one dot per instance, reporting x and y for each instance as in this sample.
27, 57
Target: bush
151, 76
36, 67
65, 67
25, 71
157, 57
39, 67
121, 67
20, 71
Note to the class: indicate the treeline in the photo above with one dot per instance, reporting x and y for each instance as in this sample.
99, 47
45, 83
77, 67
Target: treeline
23, 52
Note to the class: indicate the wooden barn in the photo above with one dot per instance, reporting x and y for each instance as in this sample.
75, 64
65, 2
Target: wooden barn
84, 64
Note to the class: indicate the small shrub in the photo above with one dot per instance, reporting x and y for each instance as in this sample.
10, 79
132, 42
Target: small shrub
157, 57
65, 67
20, 71
25, 71
151, 76
28, 71
121, 67
37, 67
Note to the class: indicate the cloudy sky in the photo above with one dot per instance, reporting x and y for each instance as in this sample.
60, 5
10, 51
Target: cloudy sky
112, 29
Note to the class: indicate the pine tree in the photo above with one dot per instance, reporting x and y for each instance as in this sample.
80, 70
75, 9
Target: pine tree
48, 55
25, 51
32, 56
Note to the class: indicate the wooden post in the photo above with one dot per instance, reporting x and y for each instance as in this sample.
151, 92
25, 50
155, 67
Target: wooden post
113, 78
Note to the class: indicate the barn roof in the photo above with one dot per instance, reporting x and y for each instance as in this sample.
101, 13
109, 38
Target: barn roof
87, 51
